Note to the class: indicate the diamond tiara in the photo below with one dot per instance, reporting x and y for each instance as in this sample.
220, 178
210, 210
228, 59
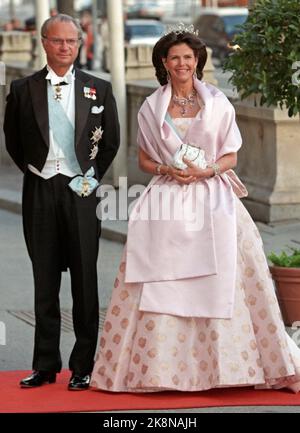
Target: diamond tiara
181, 28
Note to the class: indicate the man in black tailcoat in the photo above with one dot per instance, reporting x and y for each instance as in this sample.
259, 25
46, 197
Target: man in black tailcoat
62, 130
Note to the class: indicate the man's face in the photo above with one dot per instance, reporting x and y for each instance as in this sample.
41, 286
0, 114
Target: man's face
61, 44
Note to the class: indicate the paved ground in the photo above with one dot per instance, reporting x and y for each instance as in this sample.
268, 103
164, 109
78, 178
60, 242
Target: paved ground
16, 286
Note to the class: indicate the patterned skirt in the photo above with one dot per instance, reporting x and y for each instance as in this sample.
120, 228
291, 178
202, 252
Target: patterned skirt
142, 351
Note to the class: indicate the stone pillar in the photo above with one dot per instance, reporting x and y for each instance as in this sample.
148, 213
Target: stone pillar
42, 13
208, 71
117, 69
269, 161
97, 45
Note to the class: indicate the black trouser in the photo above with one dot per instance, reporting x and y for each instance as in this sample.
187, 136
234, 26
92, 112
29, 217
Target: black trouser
62, 231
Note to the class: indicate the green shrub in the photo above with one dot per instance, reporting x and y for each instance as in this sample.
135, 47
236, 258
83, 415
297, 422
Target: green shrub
286, 260
268, 46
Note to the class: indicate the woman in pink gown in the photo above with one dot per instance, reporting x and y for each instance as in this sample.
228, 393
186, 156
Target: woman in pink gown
193, 305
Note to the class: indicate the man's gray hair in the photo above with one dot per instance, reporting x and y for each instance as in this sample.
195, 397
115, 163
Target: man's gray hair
62, 18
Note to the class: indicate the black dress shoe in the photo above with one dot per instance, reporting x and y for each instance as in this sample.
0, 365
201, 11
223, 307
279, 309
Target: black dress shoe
79, 383
37, 378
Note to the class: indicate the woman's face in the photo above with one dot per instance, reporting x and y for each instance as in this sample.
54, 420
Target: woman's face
181, 63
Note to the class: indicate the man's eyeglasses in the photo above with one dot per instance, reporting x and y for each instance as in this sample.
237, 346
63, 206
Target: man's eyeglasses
72, 42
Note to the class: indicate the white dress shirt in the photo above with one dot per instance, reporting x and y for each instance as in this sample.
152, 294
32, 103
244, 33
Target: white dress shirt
56, 162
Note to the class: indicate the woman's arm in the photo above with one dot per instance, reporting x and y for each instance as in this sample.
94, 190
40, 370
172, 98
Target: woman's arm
191, 173
147, 164
227, 162
223, 164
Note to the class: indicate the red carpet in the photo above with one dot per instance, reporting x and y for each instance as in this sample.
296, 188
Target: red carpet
56, 397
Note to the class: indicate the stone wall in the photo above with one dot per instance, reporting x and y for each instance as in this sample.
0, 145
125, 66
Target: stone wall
136, 94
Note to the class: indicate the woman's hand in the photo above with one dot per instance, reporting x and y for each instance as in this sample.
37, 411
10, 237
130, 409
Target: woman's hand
191, 173
184, 180
180, 176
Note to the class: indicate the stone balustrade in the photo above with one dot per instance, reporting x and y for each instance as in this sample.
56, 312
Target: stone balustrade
138, 64
268, 161
16, 47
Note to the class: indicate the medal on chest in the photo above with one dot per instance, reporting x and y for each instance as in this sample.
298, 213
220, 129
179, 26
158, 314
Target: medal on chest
57, 92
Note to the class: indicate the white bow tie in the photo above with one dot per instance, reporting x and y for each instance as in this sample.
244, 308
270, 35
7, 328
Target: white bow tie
55, 80
59, 80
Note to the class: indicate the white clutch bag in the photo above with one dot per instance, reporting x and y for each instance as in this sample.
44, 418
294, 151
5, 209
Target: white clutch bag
194, 154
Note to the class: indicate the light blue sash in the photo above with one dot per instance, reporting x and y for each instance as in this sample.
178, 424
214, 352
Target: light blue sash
84, 185
63, 131
169, 120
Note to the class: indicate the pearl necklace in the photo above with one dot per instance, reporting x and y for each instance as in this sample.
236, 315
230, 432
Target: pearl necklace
185, 102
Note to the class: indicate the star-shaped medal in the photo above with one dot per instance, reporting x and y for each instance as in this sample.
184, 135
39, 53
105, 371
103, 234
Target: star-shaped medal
94, 151
96, 135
